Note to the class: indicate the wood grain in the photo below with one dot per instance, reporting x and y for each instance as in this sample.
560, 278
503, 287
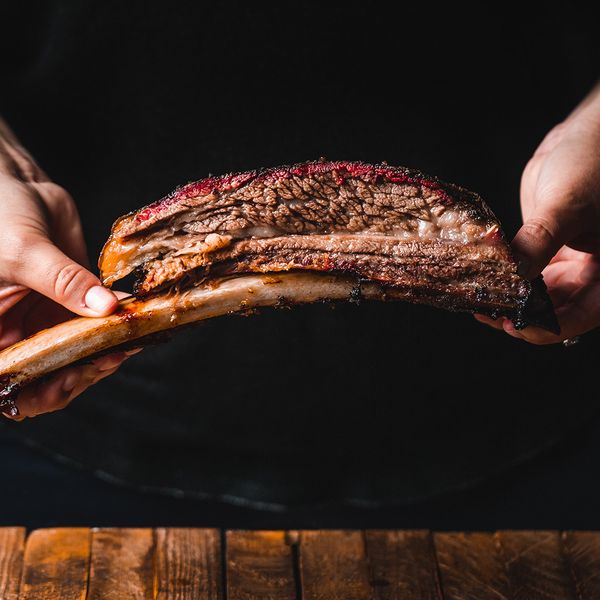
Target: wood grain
56, 564
581, 550
471, 567
402, 565
535, 566
121, 565
188, 564
260, 565
184, 564
12, 542
333, 565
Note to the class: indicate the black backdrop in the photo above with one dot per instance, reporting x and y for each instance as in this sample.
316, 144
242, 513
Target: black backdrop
372, 404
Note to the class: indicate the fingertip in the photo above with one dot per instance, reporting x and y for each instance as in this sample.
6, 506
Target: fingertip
109, 361
100, 300
509, 328
488, 321
70, 380
133, 351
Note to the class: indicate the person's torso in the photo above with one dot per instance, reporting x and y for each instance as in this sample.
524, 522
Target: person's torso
121, 102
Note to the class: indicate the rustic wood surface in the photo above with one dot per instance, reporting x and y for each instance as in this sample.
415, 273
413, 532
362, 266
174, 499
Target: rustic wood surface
12, 541
582, 554
188, 564
333, 564
403, 565
122, 564
185, 564
471, 567
535, 565
260, 564
56, 564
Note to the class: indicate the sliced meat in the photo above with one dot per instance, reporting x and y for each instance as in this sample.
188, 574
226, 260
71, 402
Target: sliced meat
436, 242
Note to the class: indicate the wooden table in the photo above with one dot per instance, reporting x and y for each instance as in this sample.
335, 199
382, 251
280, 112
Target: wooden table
349, 565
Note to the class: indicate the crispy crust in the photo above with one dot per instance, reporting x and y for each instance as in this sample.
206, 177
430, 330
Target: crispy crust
301, 206
147, 216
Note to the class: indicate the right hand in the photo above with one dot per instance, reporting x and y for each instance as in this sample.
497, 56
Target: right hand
560, 201
43, 274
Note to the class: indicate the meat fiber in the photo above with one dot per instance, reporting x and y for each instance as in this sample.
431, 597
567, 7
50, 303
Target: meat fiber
438, 243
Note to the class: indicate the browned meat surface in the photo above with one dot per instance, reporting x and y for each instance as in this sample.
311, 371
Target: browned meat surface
437, 242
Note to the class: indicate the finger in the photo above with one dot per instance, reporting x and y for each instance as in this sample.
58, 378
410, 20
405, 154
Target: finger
53, 394
541, 237
12, 323
534, 335
580, 315
115, 359
11, 295
49, 271
65, 225
508, 327
104, 374
494, 323
57, 392
103, 367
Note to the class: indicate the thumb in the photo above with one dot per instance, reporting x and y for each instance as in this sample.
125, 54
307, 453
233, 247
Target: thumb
52, 273
541, 236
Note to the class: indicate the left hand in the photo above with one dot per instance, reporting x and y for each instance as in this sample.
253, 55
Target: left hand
44, 275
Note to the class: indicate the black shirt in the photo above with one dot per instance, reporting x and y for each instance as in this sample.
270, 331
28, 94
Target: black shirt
120, 102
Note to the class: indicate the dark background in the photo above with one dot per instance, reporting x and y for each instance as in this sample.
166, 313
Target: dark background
394, 415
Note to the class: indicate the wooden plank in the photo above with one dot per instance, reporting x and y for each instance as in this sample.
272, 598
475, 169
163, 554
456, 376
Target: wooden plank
535, 566
471, 567
333, 565
55, 564
12, 542
122, 564
260, 564
188, 564
581, 550
402, 565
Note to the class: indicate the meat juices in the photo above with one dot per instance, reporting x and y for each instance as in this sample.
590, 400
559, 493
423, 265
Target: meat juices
310, 232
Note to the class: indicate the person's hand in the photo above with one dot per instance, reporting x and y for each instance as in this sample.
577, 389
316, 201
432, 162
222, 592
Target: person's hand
43, 274
560, 236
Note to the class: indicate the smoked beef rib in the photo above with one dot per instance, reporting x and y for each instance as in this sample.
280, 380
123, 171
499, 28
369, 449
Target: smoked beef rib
314, 231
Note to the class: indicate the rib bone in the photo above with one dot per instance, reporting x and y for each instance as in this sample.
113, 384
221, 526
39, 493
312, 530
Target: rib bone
83, 337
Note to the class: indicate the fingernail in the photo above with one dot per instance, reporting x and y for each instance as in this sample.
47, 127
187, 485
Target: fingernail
132, 351
99, 299
70, 382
